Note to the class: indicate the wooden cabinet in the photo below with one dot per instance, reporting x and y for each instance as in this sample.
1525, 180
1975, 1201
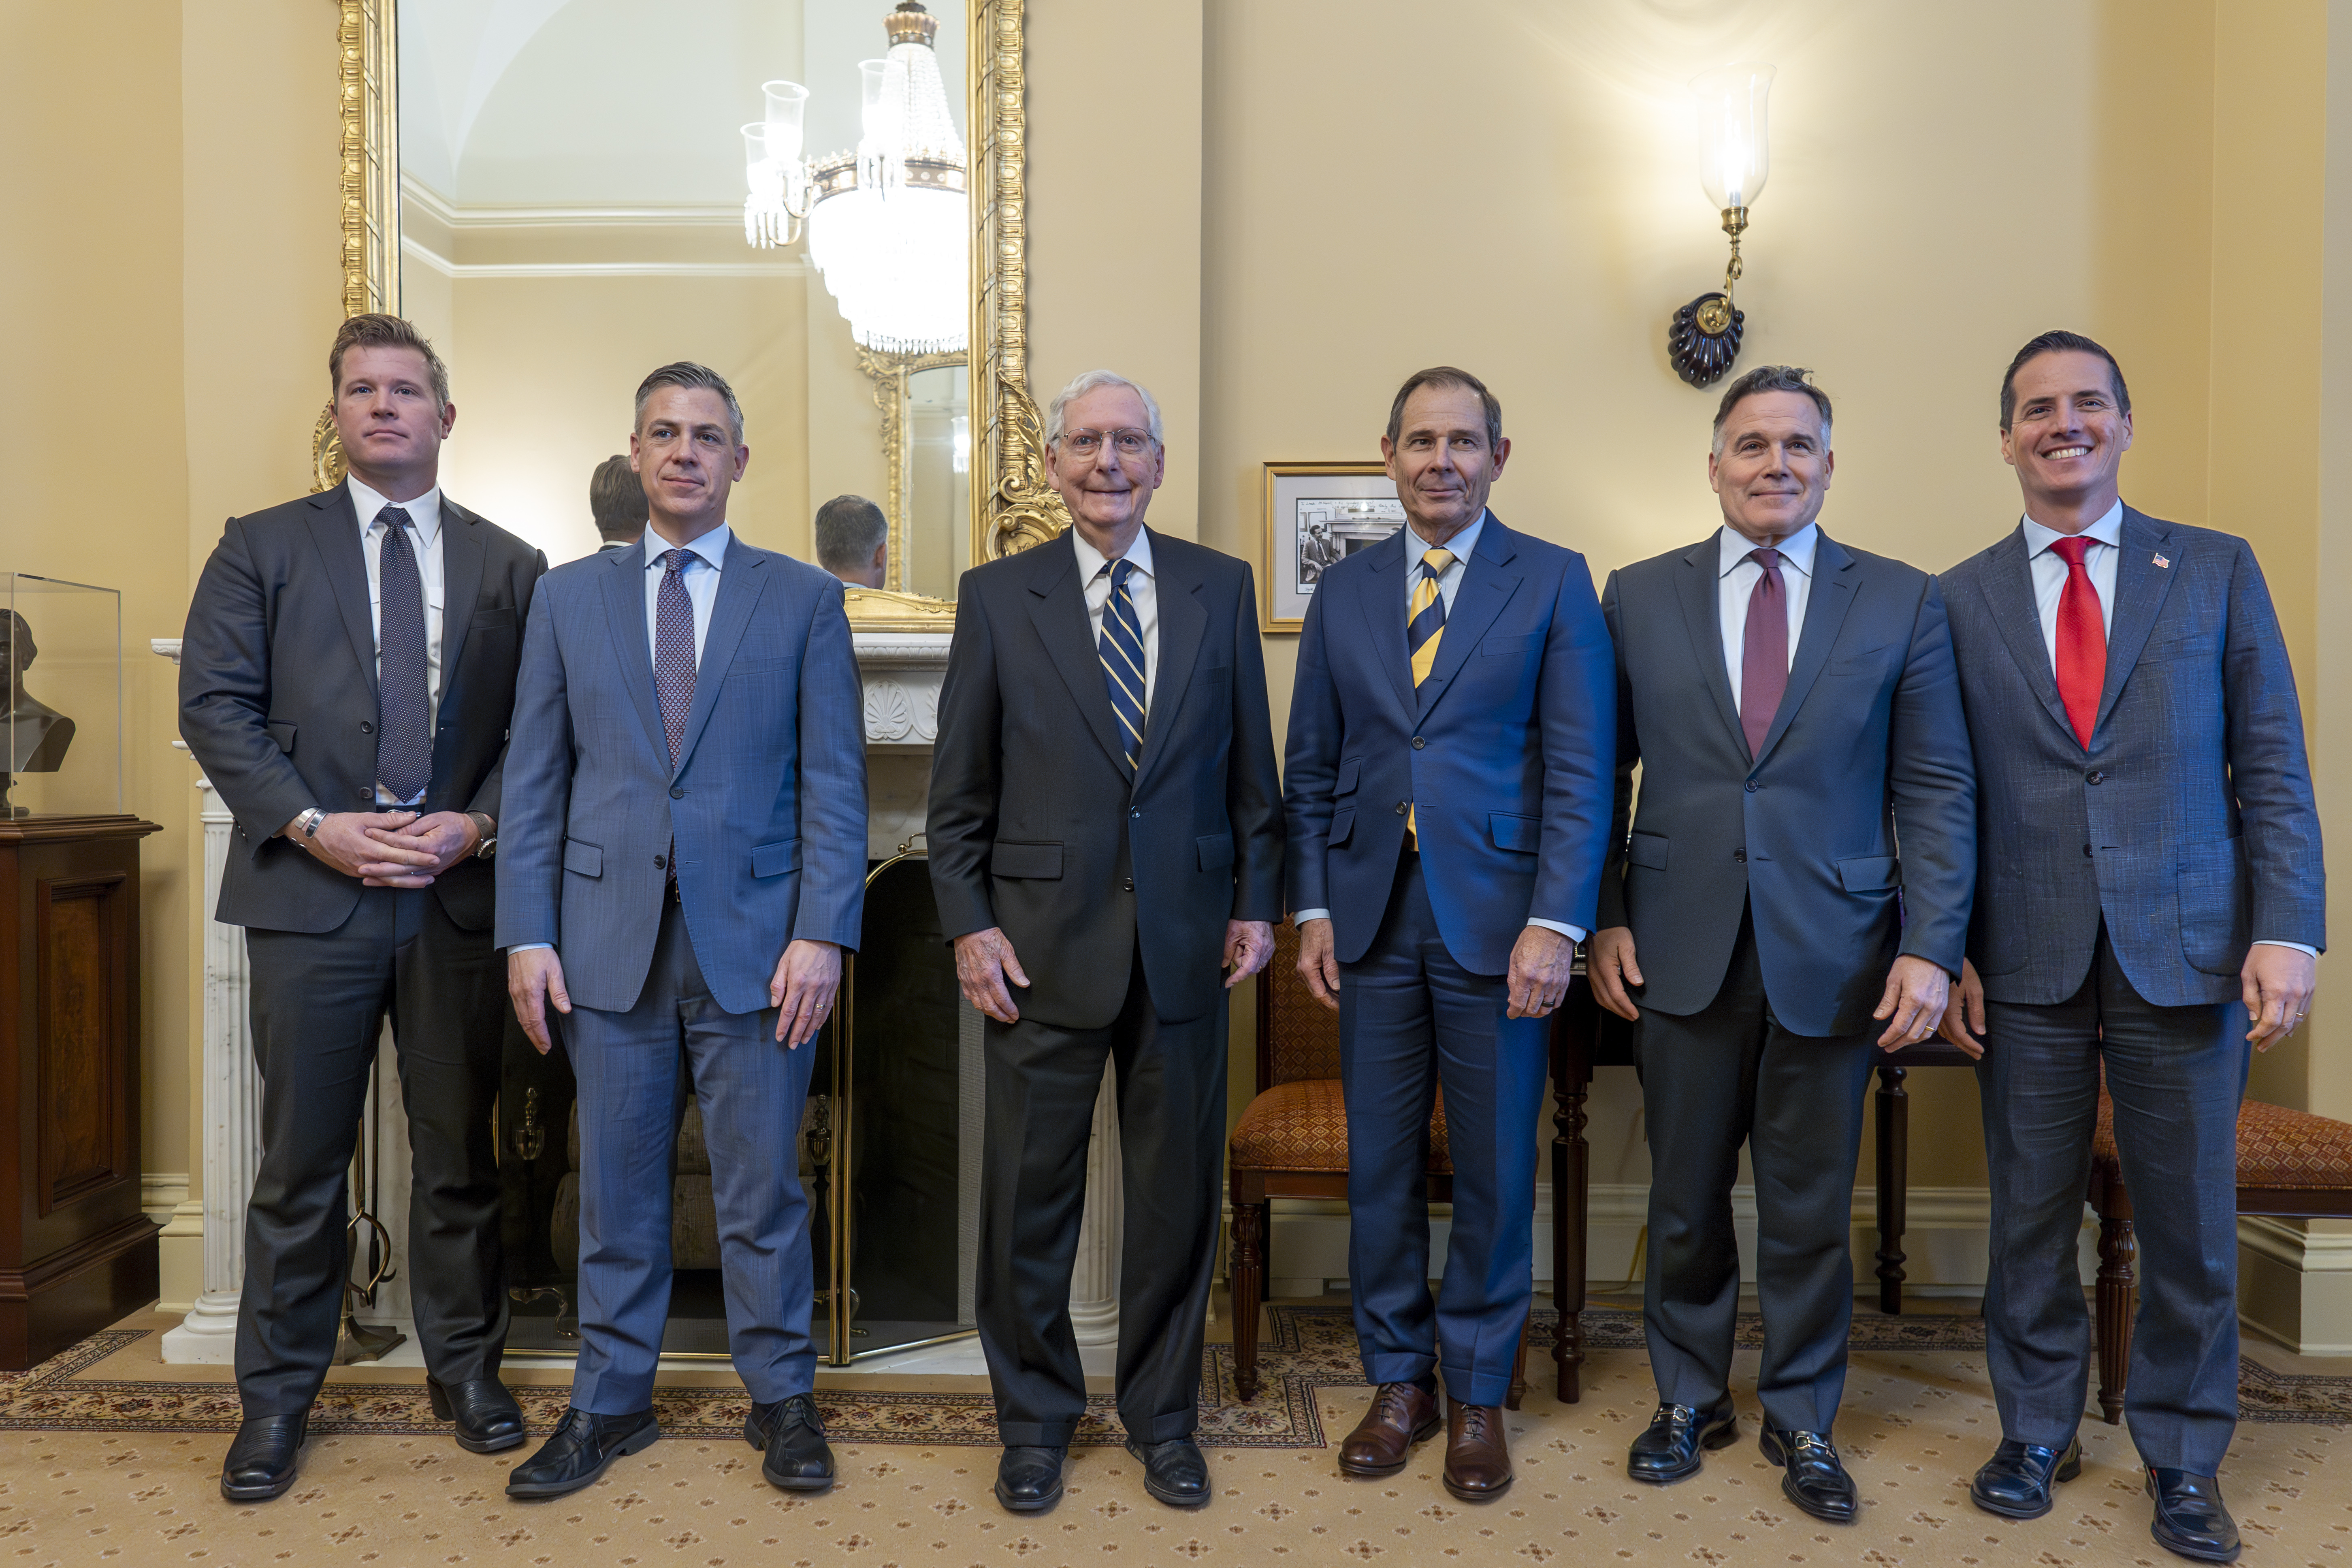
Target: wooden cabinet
76, 1251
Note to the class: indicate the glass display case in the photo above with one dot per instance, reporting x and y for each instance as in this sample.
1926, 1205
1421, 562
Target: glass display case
61, 733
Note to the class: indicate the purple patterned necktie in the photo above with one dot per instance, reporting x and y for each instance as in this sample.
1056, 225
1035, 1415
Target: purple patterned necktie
404, 742
1763, 653
673, 651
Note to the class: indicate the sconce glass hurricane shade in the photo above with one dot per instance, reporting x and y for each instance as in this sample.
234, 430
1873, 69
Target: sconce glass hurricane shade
1734, 154
787, 104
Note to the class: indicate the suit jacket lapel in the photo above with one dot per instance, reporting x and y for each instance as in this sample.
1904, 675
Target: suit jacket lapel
1487, 585
335, 529
2008, 584
1699, 588
624, 614
1183, 623
462, 557
1825, 609
1058, 606
740, 582
2140, 587
1380, 599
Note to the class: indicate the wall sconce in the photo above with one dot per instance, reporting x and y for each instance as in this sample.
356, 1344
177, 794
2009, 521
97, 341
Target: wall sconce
1733, 158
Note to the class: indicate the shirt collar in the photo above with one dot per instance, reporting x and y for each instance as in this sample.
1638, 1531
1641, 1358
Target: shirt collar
2108, 529
1796, 551
710, 549
424, 511
1090, 560
1462, 543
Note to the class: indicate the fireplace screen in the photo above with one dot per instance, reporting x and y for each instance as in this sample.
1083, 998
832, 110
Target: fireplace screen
888, 1152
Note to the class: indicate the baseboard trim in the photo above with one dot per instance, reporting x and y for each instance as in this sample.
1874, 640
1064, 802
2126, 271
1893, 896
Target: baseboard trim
162, 1192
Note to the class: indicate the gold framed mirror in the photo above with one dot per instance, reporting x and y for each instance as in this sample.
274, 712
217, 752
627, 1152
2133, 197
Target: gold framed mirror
422, 239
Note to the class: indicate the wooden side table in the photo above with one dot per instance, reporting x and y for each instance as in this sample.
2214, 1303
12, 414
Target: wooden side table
76, 1251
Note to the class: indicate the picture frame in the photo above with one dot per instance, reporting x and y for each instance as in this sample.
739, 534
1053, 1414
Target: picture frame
1316, 514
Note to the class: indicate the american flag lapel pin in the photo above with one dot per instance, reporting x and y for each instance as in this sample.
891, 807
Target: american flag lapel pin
2160, 561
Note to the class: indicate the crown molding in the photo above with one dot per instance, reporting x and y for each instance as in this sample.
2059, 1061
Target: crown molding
462, 215
472, 270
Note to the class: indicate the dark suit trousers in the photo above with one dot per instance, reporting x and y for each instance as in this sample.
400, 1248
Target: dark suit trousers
2176, 1075
1042, 1082
1710, 1081
319, 1001
1412, 1018
752, 1092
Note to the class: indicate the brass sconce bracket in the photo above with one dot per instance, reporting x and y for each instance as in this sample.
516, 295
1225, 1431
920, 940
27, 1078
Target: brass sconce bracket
1703, 337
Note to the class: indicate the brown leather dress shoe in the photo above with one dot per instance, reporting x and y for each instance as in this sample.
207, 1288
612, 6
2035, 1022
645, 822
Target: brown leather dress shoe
1477, 1452
1402, 1413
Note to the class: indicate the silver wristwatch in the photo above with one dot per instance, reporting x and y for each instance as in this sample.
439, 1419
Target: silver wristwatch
309, 823
485, 824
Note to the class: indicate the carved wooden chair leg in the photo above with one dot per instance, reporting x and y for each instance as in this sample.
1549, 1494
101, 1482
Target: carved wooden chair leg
1894, 1156
1248, 1277
2118, 1254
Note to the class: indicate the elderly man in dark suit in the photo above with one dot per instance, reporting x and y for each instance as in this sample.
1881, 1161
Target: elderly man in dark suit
347, 680
1793, 705
2151, 861
1107, 850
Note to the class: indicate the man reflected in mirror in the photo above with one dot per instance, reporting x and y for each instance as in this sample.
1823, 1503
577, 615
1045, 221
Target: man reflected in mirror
617, 501
347, 681
1105, 846
853, 541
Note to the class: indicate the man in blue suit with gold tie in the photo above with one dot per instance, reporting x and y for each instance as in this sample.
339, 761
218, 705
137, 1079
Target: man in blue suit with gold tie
686, 863
1447, 793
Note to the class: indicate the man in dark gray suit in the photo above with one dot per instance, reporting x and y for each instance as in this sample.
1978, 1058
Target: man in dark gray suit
2151, 857
1105, 839
1793, 707
347, 680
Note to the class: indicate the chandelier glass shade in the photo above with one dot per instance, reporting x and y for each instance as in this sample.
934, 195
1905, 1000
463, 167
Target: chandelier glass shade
889, 224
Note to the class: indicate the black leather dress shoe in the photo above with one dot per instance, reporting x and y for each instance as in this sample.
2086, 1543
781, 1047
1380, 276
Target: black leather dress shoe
1813, 1479
2189, 1519
2015, 1482
1029, 1480
489, 1420
260, 1463
791, 1434
1173, 1471
582, 1448
1668, 1451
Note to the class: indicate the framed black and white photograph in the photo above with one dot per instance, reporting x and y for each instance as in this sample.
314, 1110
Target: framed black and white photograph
1317, 514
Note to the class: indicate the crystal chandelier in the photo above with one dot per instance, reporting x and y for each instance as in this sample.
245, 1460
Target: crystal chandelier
889, 224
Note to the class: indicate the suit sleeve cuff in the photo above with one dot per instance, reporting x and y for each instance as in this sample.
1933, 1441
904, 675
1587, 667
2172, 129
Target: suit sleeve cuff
530, 946
1573, 934
2299, 947
1303, 916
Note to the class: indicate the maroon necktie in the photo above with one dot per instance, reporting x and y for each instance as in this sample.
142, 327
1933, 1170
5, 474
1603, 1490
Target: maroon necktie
2081, 655
1763, 653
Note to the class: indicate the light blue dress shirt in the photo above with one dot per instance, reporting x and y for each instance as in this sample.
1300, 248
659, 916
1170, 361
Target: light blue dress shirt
705, 558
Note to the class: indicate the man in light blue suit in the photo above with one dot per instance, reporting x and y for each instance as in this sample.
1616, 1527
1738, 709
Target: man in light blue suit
1453, 735
685, 862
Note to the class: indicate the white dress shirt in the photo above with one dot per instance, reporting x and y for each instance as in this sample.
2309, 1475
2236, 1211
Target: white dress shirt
2099, 561
1142, 589
2049, 573
424, 539
705, 558
1449, 585
1736, 580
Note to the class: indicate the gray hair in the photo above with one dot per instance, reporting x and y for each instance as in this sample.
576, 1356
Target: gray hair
692, 377
849, 530
1088, 381
1771, 378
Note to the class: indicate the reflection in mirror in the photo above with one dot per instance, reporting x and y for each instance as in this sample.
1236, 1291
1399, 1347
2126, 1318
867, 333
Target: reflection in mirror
937, 484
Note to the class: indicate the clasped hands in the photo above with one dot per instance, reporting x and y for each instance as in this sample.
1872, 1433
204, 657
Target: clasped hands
987, 967
1914, 1004
389, 848
1541, 961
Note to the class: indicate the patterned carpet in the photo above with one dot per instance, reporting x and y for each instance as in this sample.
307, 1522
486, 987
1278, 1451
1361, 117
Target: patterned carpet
113, 1459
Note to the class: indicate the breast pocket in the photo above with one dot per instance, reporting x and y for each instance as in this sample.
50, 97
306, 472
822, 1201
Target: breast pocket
1497, 647
495, 616
1869, 661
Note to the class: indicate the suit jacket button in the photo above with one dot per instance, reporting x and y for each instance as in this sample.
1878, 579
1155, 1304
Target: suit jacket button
364, 791
677, 792
658, 862
1739, 856
2087, 849
1418, 742
1753, 787
2094, 777
1403, 806
1135, 815
1127, 884
366, 727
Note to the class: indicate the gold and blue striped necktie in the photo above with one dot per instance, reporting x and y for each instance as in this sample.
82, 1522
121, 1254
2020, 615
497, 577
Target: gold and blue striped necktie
1121, 652
1425, 628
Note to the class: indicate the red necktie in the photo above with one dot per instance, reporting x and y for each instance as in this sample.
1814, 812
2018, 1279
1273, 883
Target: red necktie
2082, 652
1763, 653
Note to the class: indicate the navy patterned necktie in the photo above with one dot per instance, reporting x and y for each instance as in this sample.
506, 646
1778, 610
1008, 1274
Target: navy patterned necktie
1122, 660
673, 651
403, 742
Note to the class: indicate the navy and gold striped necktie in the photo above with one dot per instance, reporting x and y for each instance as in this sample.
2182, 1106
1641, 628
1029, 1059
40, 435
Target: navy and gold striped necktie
1121, 652
1425, 628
